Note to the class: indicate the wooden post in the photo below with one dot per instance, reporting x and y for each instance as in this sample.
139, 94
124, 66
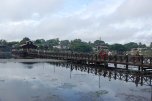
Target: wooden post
127, 62
105, 62
115, 75
66, 57
141, 79
150, 60
142, 62
139, 68
115, 64
96, 57
76, 56
126, 79
88, 59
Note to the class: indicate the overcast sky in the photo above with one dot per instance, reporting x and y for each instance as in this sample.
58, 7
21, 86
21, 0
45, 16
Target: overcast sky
115, 21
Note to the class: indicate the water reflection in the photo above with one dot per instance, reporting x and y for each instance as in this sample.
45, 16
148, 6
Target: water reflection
71, 82
28, 65
137, 77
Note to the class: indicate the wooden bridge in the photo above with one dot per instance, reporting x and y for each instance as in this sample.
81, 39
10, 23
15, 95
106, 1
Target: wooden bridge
143, 63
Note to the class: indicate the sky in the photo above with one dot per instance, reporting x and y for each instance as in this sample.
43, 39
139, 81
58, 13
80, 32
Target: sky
114, 21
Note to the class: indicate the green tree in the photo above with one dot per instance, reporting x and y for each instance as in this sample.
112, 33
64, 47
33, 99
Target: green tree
140, 45
99, 42
131, 45
13, 44
24, 40
65, 43
78, 46
52, 42
117, 47
3, 42
40, 43
151, 45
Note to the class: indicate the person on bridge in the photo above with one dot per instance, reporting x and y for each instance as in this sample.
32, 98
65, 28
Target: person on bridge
103, 55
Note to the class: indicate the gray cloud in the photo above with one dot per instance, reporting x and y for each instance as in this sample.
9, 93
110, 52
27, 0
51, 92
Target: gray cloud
135, 9
113, 21
26, 9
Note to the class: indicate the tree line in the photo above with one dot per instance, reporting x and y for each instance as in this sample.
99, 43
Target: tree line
76, 45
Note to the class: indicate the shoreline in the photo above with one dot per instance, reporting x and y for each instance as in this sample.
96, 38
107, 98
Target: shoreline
30, 60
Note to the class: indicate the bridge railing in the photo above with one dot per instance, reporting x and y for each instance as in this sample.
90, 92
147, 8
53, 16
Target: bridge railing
122, 59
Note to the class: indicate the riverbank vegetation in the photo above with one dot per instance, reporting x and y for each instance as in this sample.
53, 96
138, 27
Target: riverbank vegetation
76, 45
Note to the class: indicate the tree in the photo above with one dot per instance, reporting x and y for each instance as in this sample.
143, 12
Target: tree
130, 45
40, 43
76, 41
64, 44
99, 42
13, 44
78, 46
140, 45
24, 40
151, 45
3, 42
117, 47
52, 42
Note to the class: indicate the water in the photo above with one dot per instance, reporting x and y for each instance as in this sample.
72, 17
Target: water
66, 82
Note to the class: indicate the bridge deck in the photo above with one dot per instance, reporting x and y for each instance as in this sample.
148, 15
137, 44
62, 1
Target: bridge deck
142, 62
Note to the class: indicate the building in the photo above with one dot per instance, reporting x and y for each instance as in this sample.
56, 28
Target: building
138, 51
28, 45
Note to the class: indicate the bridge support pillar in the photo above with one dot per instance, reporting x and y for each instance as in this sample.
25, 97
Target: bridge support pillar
142, 68
105, 64
115, 59
127, 67
127, 62
115, 64
139, 68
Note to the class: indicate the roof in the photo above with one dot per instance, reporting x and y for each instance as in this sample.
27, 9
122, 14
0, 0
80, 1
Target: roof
29, 45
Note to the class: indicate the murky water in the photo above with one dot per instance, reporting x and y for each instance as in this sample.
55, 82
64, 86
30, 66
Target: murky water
54, 82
